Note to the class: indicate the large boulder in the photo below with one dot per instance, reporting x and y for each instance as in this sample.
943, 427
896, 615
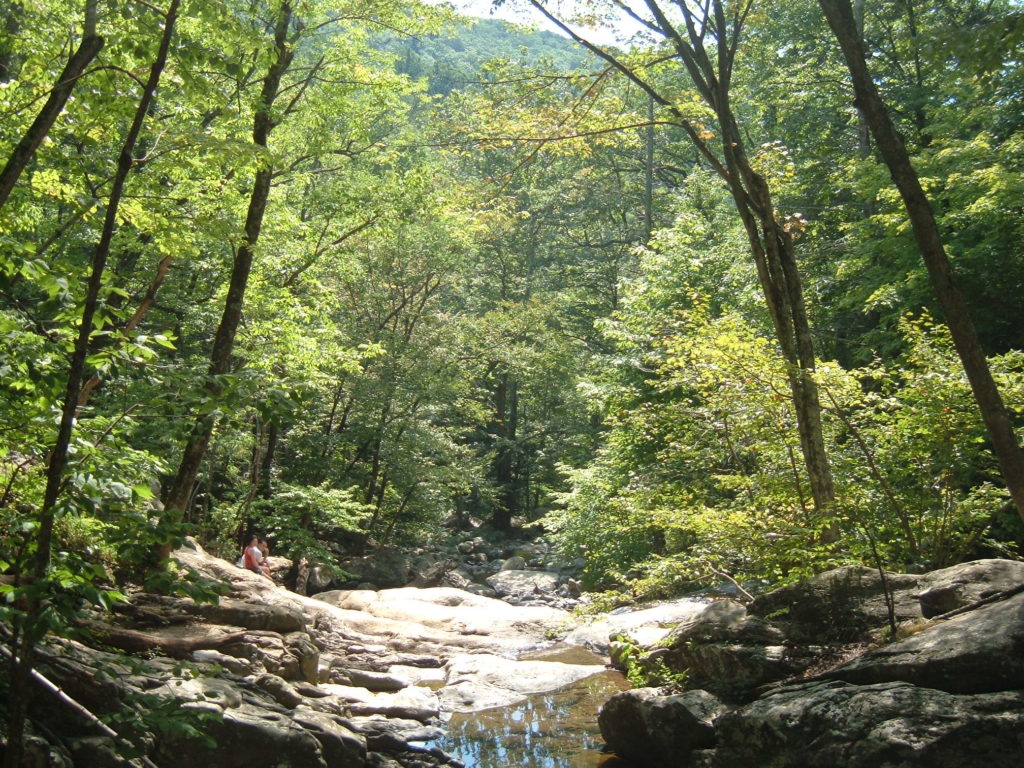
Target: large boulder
386, 567
966, 583
841, 605
976, 652
648, 728
828, 724
724, 649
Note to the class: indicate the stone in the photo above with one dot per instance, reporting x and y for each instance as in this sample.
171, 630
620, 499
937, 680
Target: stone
341, 746
386, 567
481, 681
514, 563
724, 649
232, 664
306, 653
273, 617
375, 681
318, 579
648, 728
279, 690
724, 621
845, 604
960, 585
393, 734
209, 690
519, 583
410, 703
243, 737
644, 627
976, 652
829, 724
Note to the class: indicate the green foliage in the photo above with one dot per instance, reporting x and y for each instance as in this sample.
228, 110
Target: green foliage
645, 669
300, 518
700, 473
159, 715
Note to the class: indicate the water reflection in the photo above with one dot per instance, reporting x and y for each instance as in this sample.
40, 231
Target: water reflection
549, 730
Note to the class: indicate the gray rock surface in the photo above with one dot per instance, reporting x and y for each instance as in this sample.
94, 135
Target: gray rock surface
897, 725
844, 604
976, 652
651, 729
951, 588
521, 584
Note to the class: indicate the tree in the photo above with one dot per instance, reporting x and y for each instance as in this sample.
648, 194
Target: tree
30, 631
706, 43
180, 490
89, 46
929, 241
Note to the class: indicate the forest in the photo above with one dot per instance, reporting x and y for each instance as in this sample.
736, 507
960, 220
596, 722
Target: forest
739, 296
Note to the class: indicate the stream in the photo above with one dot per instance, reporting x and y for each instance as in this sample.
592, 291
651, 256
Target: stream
557, 729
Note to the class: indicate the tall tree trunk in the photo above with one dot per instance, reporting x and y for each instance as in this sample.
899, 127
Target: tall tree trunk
926, 231
710, 70
180, 491
29, 631
504, 427
88, 48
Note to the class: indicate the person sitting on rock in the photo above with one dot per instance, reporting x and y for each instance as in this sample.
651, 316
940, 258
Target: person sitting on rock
253, 559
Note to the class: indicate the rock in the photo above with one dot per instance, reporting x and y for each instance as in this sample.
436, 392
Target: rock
481, 681
645, 626
269, 650
651, 729
279, 690
209, 690
725, 650
300, 646
951, 588
844, 604
514, 563
410, 703
92, 752
318, 579
386, 567
254, 615
375, 681
456, 580
243, 737
447, 618
520, 584
829, 724
724, 621
232, 664
977, 652
340, 745
393, 735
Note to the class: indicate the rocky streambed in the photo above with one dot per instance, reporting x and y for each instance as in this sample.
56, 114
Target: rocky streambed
343, 678
433, 676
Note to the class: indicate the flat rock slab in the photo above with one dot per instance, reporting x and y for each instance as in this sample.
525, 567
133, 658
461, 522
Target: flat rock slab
454, 612
645, 627
976, 652
412, 703
829, 724
481, 681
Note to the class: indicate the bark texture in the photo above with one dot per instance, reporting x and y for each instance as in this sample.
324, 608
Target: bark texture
840, 16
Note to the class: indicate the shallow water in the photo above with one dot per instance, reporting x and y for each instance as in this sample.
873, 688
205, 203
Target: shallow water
549, 730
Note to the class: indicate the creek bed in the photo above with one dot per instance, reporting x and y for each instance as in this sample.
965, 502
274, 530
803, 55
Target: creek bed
557, 729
